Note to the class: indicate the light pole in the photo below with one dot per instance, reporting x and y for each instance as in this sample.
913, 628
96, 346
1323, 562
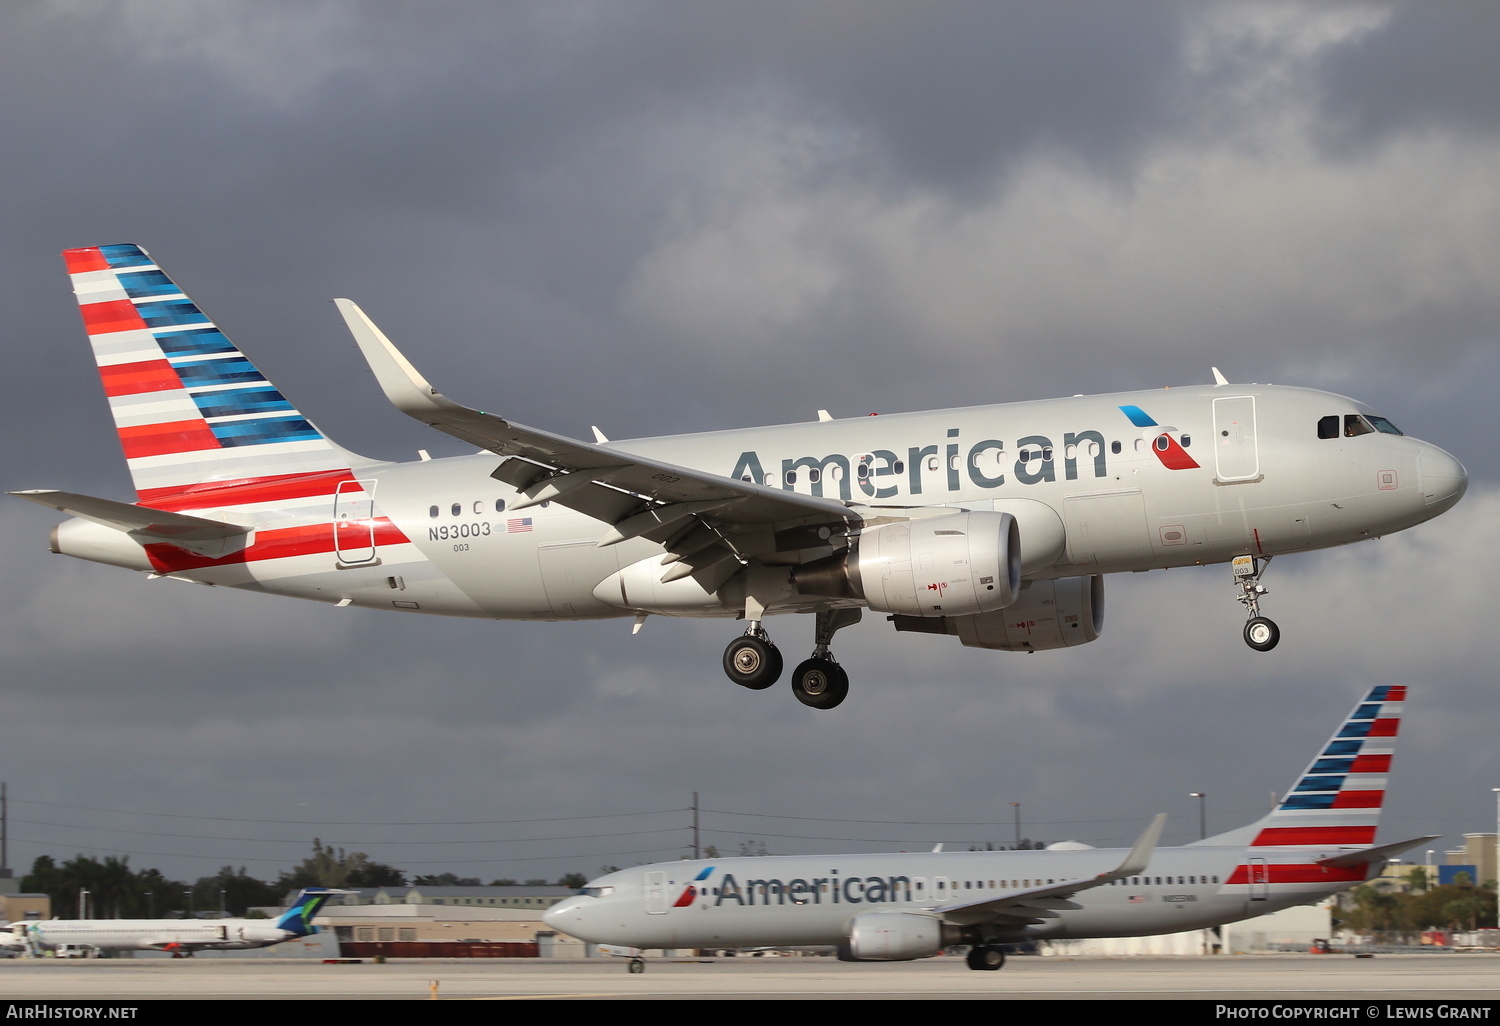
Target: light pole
1430, 870
1016, 808
1202, 797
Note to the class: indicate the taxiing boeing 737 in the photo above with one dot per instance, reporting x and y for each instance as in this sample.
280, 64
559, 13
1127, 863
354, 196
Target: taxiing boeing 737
991, 524
1320, 839
180, 936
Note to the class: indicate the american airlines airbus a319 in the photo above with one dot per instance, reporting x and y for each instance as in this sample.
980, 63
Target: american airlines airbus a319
991, 524
1320, 839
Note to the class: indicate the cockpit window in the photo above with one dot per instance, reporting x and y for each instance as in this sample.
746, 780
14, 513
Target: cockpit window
1354, 424
1328, 427
1384, 426
597, 892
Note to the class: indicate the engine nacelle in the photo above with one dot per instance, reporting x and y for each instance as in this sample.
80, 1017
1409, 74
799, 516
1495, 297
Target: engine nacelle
945, 566
1048, 614
897, 936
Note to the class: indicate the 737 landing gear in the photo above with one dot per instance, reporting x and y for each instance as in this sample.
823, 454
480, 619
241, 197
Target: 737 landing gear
982, 956
751, 661
820, 681
1261, 633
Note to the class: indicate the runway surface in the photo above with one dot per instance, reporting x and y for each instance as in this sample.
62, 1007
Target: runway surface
1289, 977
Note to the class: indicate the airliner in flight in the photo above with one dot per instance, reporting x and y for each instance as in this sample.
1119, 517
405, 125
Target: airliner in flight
1320, 839
991, 524
180, 936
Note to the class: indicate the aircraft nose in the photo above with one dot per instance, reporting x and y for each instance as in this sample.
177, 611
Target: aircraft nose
1443, 480
561, 915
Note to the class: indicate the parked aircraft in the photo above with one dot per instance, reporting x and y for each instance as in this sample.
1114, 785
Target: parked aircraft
1319, 839
991, 524
180, 936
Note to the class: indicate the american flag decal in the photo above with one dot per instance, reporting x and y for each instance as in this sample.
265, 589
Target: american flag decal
520, 526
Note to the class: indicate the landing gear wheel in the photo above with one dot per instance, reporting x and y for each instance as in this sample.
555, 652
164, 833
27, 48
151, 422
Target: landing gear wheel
1262, 634
820, 683
752, 662
986, 958
637, 965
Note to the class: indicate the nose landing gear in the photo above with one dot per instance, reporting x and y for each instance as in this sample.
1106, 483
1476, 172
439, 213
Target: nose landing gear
1261, 633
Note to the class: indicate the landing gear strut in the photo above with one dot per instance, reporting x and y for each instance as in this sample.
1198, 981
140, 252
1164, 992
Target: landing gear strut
1261, 633
820, 681
982, 956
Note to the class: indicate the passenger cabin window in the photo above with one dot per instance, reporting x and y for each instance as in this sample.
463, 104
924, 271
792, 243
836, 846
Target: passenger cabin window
499, 505
432, 511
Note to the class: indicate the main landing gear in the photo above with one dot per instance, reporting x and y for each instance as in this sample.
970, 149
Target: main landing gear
984, 957
751, 661
1261, 633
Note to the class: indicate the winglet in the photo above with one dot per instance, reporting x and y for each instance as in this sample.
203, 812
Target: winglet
1219, 378
403, 385
1139, 856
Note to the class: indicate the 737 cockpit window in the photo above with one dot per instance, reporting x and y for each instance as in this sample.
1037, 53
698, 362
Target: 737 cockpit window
1384, 426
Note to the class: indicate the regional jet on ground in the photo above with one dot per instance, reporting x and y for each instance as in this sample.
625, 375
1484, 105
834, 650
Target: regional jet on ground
180, 936
1319, 840
991, 524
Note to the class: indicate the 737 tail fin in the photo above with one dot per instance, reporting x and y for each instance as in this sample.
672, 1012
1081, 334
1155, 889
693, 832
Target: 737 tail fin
297, 920
189, 408
1336, 801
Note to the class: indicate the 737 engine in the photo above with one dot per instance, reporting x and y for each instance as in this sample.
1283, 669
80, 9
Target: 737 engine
896, 937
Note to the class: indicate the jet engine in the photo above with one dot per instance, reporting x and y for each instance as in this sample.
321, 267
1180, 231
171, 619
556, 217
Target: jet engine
944, 566
1046, 615
897, 937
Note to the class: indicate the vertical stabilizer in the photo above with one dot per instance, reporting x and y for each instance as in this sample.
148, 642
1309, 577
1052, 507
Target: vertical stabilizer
189, 408
1336, 801
297, 920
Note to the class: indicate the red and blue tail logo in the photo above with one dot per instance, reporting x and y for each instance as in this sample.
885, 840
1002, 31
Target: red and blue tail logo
1337, 800
188, 406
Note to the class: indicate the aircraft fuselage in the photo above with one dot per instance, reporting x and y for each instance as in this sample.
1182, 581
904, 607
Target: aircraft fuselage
1237, 470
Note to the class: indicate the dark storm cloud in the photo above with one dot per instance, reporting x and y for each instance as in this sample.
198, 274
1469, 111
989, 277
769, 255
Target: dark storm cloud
1428, 67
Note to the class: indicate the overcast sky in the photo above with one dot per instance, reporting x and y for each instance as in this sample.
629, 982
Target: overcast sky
668, 217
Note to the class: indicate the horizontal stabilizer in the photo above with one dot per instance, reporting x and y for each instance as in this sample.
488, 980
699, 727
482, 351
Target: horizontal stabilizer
211, 538
1365, 856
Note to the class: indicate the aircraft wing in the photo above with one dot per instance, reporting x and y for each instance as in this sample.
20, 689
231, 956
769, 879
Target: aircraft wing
1019, 908
685, 509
